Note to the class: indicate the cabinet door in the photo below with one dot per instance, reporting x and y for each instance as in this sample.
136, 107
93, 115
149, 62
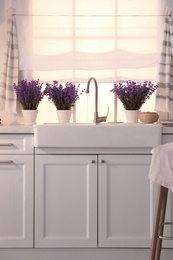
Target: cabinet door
66, 201
125, 201
16, 201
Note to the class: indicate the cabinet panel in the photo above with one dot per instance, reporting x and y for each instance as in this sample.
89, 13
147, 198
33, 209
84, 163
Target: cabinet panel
16, 144
66, 201
16, 201
167, 139
126, 199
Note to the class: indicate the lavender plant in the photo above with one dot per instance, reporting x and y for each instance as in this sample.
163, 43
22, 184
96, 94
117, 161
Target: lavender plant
29, 93
133, 95
62, 98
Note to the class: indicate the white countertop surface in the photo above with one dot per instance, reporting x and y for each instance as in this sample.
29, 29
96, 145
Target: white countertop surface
22, 129
16, 129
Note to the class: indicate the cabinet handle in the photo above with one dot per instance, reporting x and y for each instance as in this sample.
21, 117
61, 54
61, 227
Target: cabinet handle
93, 161
6, 145
6, 162
102, 161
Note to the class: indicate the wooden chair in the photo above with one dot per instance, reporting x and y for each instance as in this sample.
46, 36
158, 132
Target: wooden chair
160, 211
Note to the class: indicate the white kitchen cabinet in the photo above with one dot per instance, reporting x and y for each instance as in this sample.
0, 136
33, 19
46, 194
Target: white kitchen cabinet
16, 201
125, 201
87, 203
66, 201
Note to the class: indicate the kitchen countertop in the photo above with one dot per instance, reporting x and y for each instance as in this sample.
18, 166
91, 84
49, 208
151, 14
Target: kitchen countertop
23, 129
16, 129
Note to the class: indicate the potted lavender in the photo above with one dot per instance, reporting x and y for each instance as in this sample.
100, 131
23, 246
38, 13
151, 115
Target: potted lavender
63, 98
133, 95
29, 94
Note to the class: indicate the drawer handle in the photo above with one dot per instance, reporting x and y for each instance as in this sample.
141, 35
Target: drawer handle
6, 145
6, 162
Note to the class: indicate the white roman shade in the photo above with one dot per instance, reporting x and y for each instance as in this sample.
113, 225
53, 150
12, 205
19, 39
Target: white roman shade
74, 39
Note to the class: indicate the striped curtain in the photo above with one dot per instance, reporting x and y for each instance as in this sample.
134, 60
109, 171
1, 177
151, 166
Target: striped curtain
10, 70
164, 95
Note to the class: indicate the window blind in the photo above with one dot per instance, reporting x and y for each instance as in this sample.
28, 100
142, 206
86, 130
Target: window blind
110, 40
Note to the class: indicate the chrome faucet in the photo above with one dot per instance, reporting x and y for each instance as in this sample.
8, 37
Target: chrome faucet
97, 119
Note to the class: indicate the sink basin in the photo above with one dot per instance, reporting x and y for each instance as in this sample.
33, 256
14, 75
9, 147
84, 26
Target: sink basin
97, 136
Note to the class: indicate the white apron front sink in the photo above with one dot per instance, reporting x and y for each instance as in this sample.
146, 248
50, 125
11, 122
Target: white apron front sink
97, 136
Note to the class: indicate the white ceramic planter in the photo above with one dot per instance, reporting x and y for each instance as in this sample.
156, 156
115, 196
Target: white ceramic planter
64, 116
132, 116
29, 116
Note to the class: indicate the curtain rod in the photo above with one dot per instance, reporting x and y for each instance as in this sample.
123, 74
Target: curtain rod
78, 15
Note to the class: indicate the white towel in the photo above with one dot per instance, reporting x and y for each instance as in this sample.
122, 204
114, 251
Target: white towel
164, 93
9, 75
161, 168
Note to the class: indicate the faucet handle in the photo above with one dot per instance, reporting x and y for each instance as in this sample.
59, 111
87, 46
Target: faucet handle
103, 118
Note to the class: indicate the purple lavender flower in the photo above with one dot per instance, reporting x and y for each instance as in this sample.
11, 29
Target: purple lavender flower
133, 95
29, 93
63, 98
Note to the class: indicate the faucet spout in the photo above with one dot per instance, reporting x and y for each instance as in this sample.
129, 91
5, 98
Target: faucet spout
96, 97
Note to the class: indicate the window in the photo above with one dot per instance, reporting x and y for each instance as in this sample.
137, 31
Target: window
72, 40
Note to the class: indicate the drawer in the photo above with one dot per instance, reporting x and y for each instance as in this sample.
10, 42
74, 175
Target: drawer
167, 139
16, 144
